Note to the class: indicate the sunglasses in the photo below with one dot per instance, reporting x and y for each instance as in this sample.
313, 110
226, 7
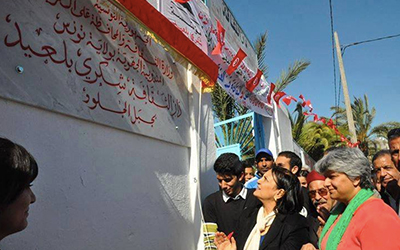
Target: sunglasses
321, 192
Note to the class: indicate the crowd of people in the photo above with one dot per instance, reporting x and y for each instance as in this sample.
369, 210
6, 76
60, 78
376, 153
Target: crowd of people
345, 202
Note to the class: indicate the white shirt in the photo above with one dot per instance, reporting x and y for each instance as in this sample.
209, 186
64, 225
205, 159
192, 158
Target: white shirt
242, 194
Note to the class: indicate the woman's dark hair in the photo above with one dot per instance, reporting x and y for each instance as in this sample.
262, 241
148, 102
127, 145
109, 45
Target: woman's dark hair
292, 202
18, 169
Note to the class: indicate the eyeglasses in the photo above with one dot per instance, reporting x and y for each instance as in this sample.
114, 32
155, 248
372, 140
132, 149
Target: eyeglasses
321, 192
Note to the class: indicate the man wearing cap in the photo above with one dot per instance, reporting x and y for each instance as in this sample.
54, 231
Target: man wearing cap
322, 201
225, 206
264, 162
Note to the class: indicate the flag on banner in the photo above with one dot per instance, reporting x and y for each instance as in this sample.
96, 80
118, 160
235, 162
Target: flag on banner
236, 61
288, 99
271, 89
220, 39
253, 82
278, 96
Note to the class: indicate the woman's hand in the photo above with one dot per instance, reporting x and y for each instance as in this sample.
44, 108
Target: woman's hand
223, 242
308, 246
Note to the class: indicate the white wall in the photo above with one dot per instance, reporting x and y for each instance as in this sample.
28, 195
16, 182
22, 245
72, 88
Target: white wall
278, 135
208, 178
102, 188
278, 131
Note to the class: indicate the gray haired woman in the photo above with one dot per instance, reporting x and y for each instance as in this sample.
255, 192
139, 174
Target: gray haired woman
360, 221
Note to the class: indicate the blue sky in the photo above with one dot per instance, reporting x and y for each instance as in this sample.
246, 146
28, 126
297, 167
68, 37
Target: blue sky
301, 30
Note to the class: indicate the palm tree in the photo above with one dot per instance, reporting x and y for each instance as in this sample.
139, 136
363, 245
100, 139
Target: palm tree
313, 137
297, 121
223, 104
363, 117
225, 107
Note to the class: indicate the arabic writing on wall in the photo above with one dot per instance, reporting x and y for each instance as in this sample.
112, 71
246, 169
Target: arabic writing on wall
122, 70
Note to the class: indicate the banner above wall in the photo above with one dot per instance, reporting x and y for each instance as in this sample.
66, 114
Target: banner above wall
220, 29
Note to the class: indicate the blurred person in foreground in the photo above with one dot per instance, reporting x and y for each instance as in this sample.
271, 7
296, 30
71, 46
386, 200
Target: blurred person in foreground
276, 224
18, 169
360, 220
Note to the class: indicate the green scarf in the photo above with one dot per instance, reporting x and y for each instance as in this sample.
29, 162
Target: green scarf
340, 228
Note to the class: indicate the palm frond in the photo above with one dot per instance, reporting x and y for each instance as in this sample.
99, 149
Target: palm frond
260, 46
382, 129
291, 74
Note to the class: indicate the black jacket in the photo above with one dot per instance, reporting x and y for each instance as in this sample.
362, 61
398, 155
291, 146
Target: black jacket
227, 215
287, 232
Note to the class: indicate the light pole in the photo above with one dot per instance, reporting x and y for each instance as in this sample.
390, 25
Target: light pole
349, 113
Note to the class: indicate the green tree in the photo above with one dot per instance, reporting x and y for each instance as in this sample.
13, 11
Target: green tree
315, 138
363, 115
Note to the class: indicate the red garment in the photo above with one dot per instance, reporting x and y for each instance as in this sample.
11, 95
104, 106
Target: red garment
374, 226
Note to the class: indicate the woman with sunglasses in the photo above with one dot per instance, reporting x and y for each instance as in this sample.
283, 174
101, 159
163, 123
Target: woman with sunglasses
359, 221
18, 169
276, 224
